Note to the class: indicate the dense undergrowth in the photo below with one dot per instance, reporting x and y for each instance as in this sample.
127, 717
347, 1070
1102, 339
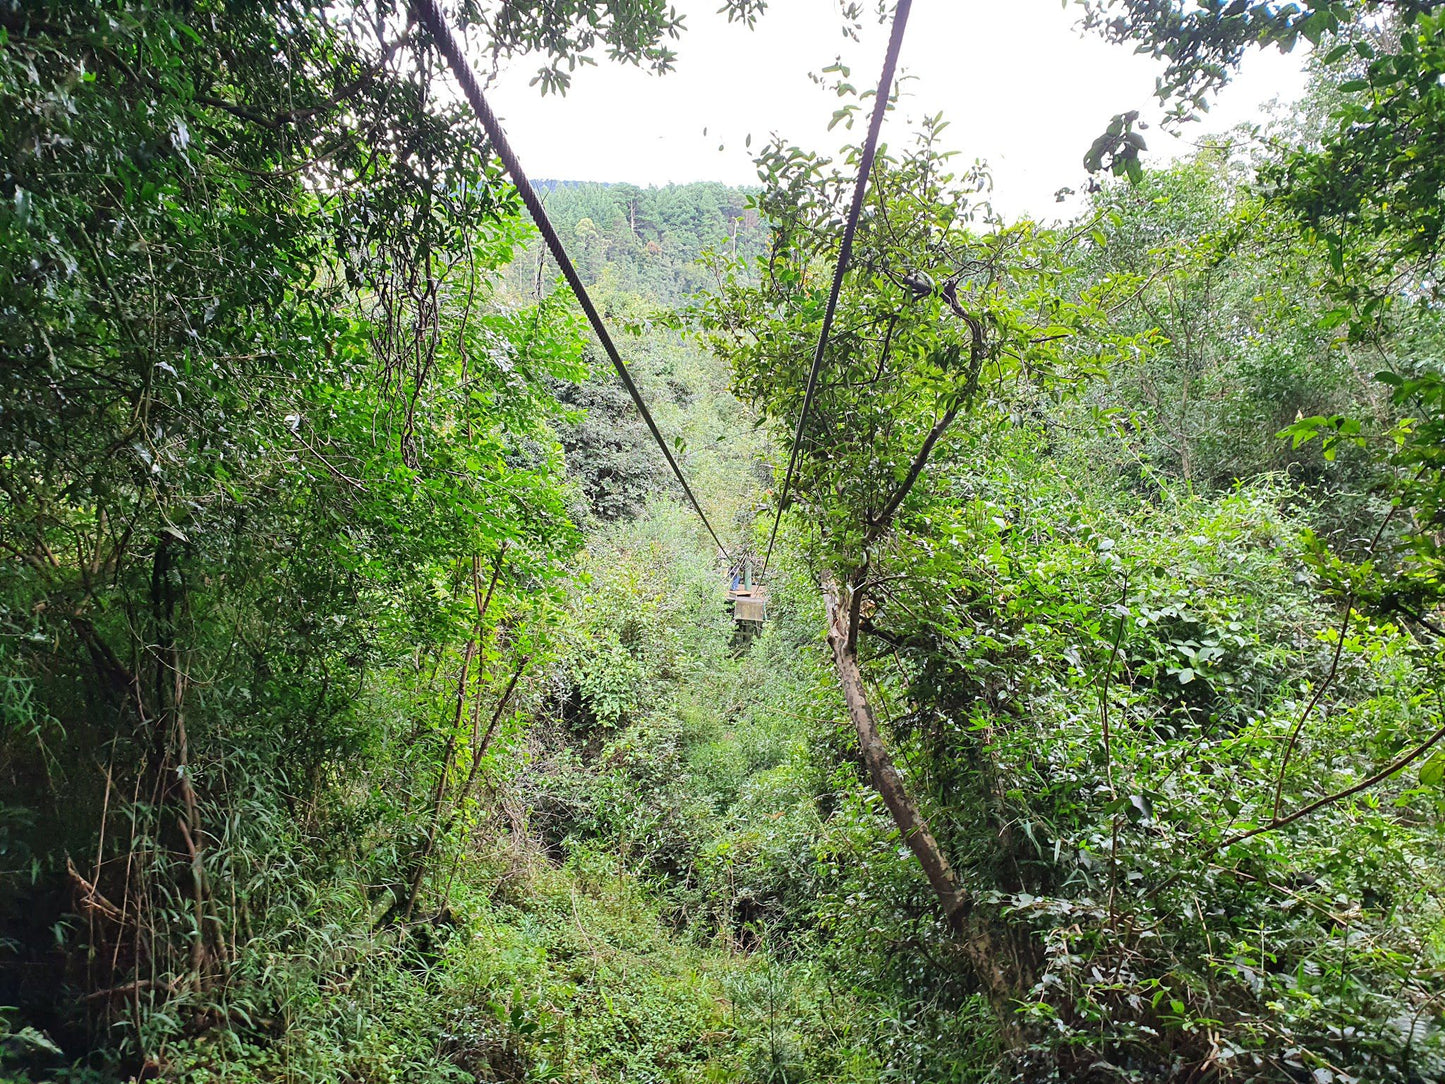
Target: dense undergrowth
371, 709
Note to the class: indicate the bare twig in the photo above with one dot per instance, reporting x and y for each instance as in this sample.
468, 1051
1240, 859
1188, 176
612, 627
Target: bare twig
1329, 799
1319, 692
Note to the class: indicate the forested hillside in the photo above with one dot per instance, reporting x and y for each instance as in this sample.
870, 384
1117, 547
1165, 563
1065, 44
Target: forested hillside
371, 708
652, 241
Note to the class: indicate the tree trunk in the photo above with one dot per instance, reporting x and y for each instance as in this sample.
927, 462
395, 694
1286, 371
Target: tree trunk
886, 780
992, 959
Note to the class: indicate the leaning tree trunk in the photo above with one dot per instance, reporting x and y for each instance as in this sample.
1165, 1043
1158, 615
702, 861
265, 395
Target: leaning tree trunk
985, 946
885, 776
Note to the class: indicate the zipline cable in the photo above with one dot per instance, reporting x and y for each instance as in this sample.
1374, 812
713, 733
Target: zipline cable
845, 253
432, 18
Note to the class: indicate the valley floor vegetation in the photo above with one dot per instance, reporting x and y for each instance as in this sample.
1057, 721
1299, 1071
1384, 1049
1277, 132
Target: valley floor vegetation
369, 707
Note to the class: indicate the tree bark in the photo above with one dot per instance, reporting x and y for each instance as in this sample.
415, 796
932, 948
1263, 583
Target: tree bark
881, 769
988, 954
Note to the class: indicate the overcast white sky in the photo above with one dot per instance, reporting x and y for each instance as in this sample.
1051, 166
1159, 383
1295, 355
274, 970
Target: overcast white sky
1023, 91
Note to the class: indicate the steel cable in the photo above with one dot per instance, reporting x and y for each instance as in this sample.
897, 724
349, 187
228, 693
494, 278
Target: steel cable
845, 253
430, 15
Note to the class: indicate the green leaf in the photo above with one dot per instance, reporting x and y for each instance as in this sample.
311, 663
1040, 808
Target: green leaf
1336, 249
1432, 772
